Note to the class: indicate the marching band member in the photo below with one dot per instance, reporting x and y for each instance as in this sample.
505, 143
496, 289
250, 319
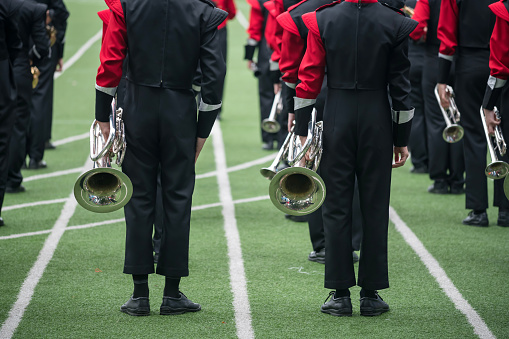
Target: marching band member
10, 46
161, 128
464, 29
359, 137
497, 88
36, 47
446, 161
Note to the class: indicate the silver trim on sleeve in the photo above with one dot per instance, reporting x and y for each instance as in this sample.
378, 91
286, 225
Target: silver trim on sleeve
301, 103
207, 107
273, 65
196, 88
291, 84
36, 52
494, 82
108, 90
401, 117
446, 57
252, 42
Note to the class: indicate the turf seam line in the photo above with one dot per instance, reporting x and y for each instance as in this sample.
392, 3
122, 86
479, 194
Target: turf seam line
238, 281
445, 283
79, 54
45, 255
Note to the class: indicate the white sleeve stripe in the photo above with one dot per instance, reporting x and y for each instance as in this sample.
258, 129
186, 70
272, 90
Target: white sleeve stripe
401, 117
291, 84
494, 82
207, 107
196, 88
301, 103
108, 90
36, 52
252, 42
446, 57
273, 65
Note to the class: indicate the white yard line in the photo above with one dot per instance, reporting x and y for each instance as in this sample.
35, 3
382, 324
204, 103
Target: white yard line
27, 289
79, 53
237, 274
53, 174
240, 167
241, 19
71, 139
434, 268
32, 204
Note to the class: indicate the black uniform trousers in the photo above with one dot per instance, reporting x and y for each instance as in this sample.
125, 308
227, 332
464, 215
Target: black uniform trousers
417, 143
17, 146
357, 142
472, 72
161, 131
265, 88
7, 118
41, 110
446, 161
315, 222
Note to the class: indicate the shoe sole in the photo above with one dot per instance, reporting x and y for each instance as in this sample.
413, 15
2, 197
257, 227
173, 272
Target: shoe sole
168, 311
477, 225
372, 313
336, 313
320, 261
135, 312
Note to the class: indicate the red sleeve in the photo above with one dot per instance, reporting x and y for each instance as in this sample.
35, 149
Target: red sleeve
312, 67
499, 50
421, 15
255, 29
105, 17
113, 53
292, 52
448, 27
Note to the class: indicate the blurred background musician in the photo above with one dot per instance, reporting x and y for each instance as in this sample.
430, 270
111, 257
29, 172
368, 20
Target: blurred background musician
36, 47
464, 29
41, 110
10, 46
293, 47
497, 88
446, 161
359, 136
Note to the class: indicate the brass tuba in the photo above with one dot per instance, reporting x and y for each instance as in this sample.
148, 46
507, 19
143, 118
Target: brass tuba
103, 188
298, 190
496, 169
452, 132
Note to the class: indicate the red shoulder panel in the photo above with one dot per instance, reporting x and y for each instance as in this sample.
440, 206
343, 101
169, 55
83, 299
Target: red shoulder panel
116, 7
104, 15
286, 21
296, 5
254, 3
311, 23
499, 9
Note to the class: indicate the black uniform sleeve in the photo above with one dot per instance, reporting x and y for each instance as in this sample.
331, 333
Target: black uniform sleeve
60, 14
12, 38
38, 34
213, 69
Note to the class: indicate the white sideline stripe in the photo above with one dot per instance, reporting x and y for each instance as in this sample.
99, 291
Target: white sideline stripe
434, 268
237, 275
241, 19
240, 166
79, 53
114, 221
31, 204
27, 289
53, 174
71, 139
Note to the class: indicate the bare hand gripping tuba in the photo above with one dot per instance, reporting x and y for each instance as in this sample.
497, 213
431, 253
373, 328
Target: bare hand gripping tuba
103, 188
298, 190
452, 132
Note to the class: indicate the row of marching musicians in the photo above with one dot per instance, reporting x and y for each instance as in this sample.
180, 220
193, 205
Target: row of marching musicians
32, 50
349, 96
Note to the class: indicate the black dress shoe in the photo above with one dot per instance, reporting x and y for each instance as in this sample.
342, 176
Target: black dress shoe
373, 306
503, 219
2, 222
49, 145
473, 219
18, 189
318, 257
173, 306
136, 306
268, 146
297, 218
340, 307
37, 164
439, 187
457, 190
419, 170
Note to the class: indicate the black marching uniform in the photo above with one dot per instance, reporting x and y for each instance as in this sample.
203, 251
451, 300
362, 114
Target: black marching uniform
364, 67
36, 47
161, 124
10, 46
466, 38
41, 111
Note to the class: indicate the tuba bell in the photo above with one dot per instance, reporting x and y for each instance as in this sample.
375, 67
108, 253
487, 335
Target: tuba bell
103, 188
452, 132
298, 190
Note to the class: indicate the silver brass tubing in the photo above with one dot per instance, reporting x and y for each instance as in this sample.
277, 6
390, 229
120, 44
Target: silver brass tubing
270, 125
496, 169
452, 132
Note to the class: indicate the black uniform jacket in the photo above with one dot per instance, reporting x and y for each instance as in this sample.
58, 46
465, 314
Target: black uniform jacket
10, 45
166, 40
59, 14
